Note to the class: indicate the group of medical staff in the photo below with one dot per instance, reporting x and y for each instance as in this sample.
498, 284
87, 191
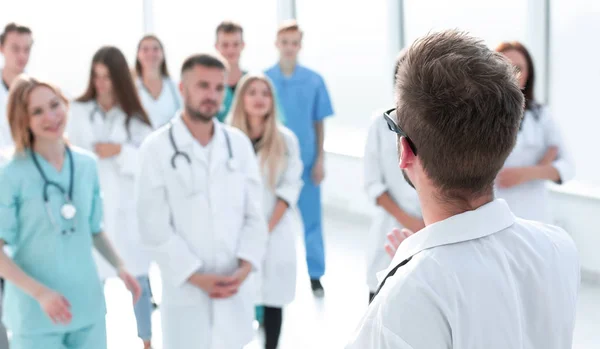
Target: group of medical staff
202, 177
199, 176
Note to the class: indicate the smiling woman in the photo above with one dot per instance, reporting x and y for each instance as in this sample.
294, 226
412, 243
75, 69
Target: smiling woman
45, 208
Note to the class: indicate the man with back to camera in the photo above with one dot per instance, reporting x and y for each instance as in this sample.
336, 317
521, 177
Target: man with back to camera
305, 102
15, 46
476, 276
199, 209
230, 44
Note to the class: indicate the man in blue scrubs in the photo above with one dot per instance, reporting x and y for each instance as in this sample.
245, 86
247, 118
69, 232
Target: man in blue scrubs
305, 102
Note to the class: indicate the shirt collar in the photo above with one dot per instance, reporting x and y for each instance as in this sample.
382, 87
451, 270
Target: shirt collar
183, 136
471, 225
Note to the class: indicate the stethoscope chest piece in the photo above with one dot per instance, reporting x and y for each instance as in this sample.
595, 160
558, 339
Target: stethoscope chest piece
68, 211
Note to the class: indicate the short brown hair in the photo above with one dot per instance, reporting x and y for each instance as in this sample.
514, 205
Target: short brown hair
206, 60
13, 28
17, 108
229, 27
290, 25
461, 105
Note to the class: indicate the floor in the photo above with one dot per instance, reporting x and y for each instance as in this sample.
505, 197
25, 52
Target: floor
328, 322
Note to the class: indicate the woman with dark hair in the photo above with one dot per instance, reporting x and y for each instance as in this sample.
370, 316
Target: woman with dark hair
539, 154
159, 95
110, 121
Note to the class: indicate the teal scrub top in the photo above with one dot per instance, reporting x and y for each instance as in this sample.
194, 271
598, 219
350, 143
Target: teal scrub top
64, 263
305, 100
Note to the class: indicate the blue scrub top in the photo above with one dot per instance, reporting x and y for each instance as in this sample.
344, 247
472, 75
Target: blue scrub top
63, 263
304, 100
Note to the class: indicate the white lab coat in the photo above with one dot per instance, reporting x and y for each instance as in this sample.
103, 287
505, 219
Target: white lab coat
202, 217
161, 109
278, 274
382, 173
531, 200
480, 279
86, 127
6, 141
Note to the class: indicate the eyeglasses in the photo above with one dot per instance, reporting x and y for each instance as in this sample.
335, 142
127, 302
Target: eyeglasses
389, 117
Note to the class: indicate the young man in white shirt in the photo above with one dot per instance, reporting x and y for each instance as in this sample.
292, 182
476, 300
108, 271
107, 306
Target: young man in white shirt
476, 276
15, 46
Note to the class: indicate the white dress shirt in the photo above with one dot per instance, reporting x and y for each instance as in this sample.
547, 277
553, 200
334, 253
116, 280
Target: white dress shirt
481, 279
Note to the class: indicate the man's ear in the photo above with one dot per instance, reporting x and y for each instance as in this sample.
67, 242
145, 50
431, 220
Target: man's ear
406, 155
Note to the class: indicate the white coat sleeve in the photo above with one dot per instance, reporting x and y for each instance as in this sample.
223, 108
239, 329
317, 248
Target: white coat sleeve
288, 189
373, 175
172, 254
564, 164
127, 160
253, 237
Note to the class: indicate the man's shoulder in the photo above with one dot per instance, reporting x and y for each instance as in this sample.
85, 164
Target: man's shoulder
540, 233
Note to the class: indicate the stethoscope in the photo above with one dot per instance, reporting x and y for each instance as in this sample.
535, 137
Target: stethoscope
231, 165
67, 210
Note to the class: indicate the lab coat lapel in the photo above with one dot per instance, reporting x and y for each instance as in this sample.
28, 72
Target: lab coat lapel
184, 142
115, 125
220, 154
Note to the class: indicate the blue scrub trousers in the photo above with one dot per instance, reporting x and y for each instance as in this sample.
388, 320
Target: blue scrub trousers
309, 204
143, 310
91, 337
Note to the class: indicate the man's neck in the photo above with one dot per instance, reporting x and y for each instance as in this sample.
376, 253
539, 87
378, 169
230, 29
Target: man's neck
234, 75
201, 131
287, 67
8, 76
436, 208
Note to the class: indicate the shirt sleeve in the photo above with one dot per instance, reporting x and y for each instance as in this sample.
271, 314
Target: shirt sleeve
288, 189
564, 164
96, 211
323, 106
9, 209
168, 249
373, 175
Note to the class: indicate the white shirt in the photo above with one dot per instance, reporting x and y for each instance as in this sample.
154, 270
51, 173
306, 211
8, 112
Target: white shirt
530, 200
481, 279
6, 141
161, 109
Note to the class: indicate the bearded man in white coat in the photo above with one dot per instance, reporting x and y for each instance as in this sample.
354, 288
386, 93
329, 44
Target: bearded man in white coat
199, 210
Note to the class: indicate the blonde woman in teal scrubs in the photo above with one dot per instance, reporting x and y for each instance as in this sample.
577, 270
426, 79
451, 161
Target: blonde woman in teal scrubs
50, 219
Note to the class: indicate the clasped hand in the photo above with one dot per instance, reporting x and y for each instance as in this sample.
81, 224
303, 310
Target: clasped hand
219, 286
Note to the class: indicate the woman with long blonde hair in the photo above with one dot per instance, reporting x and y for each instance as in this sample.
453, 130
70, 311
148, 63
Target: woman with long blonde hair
50, 218
254, 112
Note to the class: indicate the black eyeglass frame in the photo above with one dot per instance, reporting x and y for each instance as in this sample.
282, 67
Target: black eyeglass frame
393, 126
